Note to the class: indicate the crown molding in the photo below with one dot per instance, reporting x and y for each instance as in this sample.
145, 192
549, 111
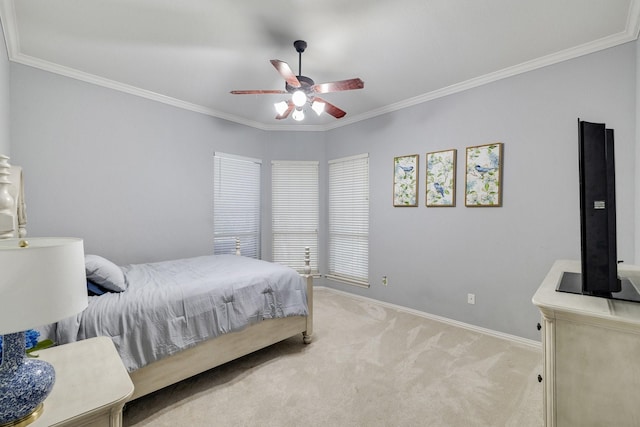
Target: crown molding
9, 27
524, 67
631, 33
11, 35
129, 89
633, 19
154, 96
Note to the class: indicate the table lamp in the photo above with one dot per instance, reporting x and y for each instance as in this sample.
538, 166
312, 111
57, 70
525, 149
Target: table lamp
42, 281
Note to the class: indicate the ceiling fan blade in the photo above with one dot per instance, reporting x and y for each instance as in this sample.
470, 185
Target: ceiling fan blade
331, 109
349, 84
285, 71
288, 111
257, 92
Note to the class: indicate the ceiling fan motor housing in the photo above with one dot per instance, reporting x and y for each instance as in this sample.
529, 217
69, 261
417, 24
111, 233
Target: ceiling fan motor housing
306, 85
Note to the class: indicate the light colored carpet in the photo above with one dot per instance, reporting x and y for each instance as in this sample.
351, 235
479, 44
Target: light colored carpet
368, 365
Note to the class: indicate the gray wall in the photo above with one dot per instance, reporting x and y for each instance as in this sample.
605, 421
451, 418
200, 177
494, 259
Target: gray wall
433, 257
5, 131
133, 178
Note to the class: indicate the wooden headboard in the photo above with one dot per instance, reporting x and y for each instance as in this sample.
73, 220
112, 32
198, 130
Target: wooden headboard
13, 218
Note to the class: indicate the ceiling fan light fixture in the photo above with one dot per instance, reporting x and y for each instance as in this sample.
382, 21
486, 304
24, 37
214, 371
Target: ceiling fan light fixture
281, 107
303, 90
318, 107
298, 114
299, 98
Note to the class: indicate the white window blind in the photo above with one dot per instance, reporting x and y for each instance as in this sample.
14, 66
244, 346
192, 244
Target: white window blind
236, 204
295, 212
349, 220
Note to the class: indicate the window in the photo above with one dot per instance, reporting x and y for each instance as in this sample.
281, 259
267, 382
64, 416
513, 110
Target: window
236, 204
294, 186
349, 220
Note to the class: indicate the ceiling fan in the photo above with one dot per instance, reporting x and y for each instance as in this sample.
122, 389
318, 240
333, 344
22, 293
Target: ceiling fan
304, 90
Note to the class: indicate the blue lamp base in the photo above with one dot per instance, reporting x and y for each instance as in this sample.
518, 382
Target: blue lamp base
24, 383
26, 420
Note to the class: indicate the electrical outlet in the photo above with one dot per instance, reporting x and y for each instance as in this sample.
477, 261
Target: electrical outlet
385, 282
471, 298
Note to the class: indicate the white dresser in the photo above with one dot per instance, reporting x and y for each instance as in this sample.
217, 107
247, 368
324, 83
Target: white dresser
91, 388
591, 350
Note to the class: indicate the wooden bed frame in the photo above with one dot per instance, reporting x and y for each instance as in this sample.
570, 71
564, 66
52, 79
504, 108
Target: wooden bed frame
192, 361
222, 349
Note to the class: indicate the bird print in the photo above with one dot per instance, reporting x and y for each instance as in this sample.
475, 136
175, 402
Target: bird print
439, 188
402, 171
483, 169
494, 163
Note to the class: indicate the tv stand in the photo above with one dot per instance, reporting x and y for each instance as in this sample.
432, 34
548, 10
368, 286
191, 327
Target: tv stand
591, 349
629, 287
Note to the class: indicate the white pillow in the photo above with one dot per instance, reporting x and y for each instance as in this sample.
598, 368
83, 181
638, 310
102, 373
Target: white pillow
103, 272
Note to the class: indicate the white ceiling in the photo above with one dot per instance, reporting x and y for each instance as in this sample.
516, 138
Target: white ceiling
191, 53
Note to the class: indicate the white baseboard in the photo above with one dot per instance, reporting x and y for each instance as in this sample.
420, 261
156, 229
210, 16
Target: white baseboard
513, 338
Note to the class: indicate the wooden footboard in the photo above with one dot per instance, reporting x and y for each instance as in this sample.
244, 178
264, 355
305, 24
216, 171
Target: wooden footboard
222, 349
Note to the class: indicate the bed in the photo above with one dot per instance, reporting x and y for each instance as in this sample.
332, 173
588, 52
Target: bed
174, 319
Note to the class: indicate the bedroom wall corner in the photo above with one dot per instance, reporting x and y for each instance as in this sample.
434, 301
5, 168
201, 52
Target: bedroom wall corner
5, 141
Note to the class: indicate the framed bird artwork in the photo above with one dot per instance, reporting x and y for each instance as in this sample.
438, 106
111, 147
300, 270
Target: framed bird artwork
483, 176
405, 181
441, 179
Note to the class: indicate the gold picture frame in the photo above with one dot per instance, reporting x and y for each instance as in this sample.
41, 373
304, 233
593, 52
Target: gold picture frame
483, 175
441, 179
405, 181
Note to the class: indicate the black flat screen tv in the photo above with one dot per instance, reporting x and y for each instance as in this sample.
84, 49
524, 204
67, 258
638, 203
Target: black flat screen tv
598, 248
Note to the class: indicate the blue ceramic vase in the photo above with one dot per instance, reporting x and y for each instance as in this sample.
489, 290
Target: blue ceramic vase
24, 382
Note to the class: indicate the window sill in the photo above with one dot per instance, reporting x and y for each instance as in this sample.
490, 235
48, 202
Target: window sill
352, 282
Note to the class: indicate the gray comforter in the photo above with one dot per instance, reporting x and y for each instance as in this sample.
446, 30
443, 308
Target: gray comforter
171, 305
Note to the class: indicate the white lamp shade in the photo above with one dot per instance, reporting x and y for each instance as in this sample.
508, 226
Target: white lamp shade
281, 107
42, 283
318, 107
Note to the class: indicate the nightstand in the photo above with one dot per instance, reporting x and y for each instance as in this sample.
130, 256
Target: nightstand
91, 388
